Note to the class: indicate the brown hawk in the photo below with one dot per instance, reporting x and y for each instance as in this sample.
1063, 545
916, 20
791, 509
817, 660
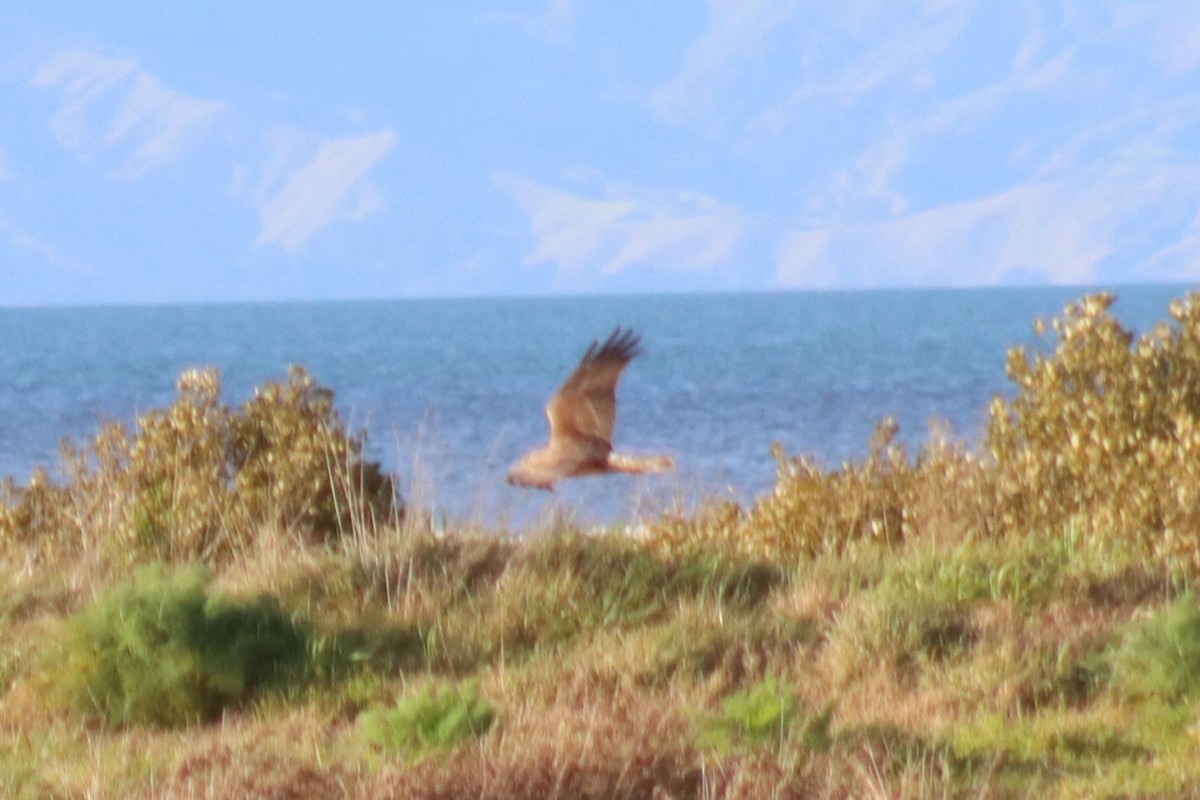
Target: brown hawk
581, 414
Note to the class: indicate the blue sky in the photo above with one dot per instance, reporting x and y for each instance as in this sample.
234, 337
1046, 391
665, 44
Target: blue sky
154, 152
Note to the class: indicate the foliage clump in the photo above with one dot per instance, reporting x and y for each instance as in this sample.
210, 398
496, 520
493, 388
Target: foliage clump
1101, 436
885, 497
433, 720
1104, 431
762, 714
163, 650
1161, 656
811, 509
200, 479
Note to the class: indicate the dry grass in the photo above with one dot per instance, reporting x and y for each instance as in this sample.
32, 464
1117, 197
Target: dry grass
1005, 623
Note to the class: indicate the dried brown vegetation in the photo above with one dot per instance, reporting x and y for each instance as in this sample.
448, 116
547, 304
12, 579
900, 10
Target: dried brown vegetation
1010, 621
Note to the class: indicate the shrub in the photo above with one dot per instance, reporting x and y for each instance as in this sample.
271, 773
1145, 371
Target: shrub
293, 460
713, 523
1104, 431
762, 714
30, 514
1161, 657
1102, 436
809, 510
200, 479
161, 650
436, 719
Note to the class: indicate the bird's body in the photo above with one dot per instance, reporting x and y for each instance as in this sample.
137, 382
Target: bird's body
582, 414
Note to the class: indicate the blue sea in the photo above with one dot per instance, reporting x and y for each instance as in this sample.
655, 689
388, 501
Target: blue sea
450, 392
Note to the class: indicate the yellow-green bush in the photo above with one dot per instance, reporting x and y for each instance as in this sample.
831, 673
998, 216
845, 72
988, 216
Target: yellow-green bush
1101, 436
293, 460
1103, 431
31, 513
200, 479
810, 509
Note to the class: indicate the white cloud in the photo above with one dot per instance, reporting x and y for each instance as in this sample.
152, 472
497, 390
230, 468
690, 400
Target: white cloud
873, 173
21, 240
1115, 198
626, 227
1177, 261
736, 30
1178, 44
1063, 231
328, 188
804, 260
1040, 157
152, 126
164, 121
83, 77
904, 55
1145, 135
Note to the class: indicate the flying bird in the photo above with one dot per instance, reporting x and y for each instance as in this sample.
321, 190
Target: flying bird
581, 414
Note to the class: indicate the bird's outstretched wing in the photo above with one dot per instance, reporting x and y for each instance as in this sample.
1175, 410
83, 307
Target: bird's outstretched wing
582, 412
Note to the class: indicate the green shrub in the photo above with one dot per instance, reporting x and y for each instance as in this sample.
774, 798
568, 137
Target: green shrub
811, 510
435, 719
162, 650
762, 714
1161, 657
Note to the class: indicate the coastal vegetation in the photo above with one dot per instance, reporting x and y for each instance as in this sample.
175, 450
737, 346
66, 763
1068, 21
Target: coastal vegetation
235, 602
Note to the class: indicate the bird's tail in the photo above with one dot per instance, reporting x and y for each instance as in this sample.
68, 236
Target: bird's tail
623, 462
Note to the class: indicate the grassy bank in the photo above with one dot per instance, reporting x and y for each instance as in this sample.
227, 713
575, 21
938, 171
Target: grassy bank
231, 601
